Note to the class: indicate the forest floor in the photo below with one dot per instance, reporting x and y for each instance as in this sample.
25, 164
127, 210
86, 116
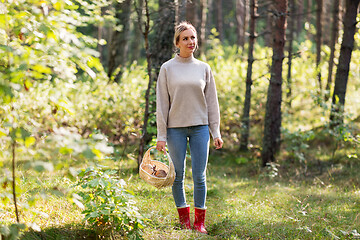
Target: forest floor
244, 201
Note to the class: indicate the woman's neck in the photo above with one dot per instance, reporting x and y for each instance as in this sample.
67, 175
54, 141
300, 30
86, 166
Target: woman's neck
183, 55
184, 59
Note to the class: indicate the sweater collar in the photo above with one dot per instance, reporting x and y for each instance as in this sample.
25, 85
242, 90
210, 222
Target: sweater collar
184, 60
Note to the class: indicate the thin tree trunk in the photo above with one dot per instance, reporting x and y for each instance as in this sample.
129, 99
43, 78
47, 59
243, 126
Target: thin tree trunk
319, 40
247, 18
100, 47
247, 105
309, 16
268, 32
136, 46
290, 50
100, 35
299, 8
342, 73
342, 11
334, 36
219, 17
145, 32
271, 140
327, 20
210, 17
14, 181
119, 42
240, 22
177, 11
202, 42
104, 32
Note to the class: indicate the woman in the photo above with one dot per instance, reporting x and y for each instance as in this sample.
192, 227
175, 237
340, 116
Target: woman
187, 108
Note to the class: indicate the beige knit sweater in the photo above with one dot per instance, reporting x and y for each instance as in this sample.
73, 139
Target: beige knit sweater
186, 96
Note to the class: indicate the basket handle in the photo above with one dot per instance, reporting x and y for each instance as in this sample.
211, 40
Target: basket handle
147, 157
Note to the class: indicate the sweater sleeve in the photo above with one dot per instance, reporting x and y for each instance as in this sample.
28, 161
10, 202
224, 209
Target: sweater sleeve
162, 105
212, 105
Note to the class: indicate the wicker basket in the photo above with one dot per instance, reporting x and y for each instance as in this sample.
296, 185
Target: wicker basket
159, 182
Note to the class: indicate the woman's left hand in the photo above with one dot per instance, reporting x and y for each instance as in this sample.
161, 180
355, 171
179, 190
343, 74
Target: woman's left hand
218, 142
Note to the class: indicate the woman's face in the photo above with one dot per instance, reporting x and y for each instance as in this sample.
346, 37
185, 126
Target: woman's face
187, 43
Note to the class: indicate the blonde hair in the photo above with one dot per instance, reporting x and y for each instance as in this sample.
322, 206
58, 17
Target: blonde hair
182, 27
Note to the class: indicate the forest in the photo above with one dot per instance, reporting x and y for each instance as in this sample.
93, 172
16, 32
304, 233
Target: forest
78, 112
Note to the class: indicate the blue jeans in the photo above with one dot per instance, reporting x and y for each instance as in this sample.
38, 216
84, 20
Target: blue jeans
199, 139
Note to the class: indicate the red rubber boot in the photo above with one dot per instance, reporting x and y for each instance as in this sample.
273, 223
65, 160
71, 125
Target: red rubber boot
184, 216
199, 223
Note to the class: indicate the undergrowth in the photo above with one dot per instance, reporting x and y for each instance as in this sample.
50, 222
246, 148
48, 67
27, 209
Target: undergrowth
244, 201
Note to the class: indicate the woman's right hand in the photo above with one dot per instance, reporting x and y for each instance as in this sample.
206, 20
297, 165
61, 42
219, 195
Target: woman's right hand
160, 146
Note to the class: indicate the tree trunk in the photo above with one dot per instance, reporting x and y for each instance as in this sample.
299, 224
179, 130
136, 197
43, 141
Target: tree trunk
136, 45
327, 21
342, 11
210, 17
191, 13
290, 50
182, 10
177, 12
118, 49
14, 181
247, 105
145, 31
161, 50
308, 16
334, 36
268, 32
240, 22
342, 73
103, 33
319, 40
299, 9
100, 47
219, 22
162, 44
202, 39
271, 140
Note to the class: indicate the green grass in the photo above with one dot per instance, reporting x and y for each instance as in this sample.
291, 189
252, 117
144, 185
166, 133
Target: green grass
243, 201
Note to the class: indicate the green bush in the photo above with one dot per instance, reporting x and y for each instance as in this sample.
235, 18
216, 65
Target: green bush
109, 207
